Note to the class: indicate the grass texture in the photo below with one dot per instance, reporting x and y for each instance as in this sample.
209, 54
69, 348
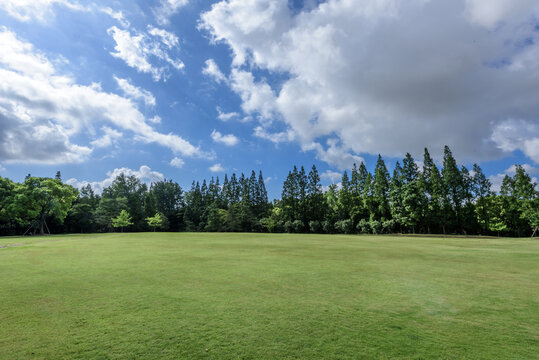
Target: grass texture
268, 296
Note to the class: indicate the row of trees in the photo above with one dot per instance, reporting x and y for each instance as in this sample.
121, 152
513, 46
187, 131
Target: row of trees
412, 200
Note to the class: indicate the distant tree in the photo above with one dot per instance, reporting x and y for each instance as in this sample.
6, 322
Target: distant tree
453, 183
41, 198
345, 198
155, 221
107, 209
398, 211
412, 195
481, 192
381, 190
316, 209
122, 220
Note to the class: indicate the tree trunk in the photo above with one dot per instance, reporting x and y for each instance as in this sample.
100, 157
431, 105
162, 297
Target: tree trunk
42, 230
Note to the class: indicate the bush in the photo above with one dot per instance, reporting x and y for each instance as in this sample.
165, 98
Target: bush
298, 226
289, 226
314, 226
388, 226
376, 226
344, 226
363, 227
327, 226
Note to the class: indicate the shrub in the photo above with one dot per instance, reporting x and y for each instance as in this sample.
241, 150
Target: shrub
388, 226
298, 226
327, 226
376, 226
289, 226
344, 226
314, 226
363, 226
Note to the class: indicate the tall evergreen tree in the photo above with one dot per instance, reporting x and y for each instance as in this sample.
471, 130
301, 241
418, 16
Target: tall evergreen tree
381, 190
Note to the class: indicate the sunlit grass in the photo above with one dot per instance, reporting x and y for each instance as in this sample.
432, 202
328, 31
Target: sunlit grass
267, 296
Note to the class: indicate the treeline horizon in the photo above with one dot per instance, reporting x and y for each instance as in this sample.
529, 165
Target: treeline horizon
427, 200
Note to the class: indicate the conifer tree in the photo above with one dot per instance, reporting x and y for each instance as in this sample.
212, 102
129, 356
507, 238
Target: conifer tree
381, 190
453, 185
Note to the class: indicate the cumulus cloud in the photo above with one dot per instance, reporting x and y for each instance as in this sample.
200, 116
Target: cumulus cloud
135, 92
109, 137
217, 168
521, 135
275, 137
332, 176
141, 50
386, 76
228, 139
166, 9
224, 116
177, 162
145, 174
212, 70
41, 110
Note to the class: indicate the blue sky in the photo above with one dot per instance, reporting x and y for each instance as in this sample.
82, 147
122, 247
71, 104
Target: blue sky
187, 89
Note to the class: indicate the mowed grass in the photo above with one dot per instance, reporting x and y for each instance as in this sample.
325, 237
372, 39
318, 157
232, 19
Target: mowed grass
268, 296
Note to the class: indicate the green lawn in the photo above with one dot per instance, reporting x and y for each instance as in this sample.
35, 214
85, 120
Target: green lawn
267, 296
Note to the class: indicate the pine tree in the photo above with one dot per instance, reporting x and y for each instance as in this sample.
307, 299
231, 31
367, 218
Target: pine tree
412, 196
345, 198
395, 195
316, 205
453, 185
381, 190
481, 191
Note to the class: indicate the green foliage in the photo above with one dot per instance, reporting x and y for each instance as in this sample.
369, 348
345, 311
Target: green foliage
344, 226
364, 227
155, 221
428, 200
38, 199
122, 220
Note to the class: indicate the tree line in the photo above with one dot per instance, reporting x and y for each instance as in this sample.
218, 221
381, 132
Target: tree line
430, 200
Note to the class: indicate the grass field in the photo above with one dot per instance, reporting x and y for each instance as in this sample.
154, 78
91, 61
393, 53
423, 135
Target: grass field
262, 296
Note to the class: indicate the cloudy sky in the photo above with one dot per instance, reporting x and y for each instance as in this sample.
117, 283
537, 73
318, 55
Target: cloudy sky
189, 89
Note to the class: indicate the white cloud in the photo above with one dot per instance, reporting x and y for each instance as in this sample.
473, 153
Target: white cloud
279, 137
212, 70
169, 39
177, 162
144, 174
26, 10
217, 168
228, 139
139, 49
40, 110
43, 10
386, 76
156, 119
332, 176
135, 92
521, 135
223, 116
166, 9
256, 96
335, 154
116, 15
109, 137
